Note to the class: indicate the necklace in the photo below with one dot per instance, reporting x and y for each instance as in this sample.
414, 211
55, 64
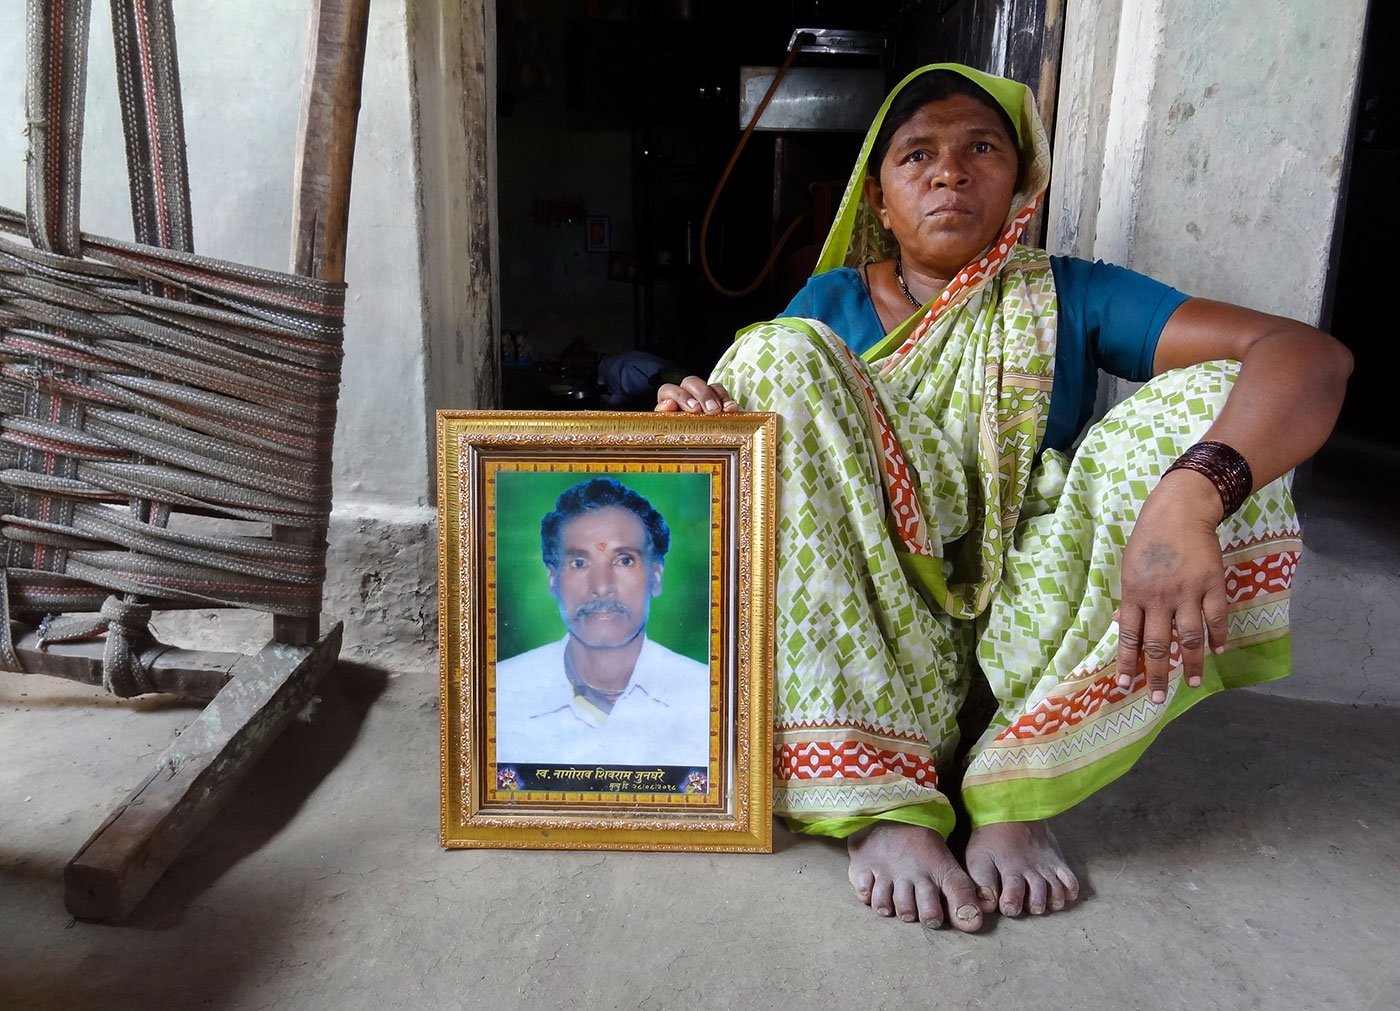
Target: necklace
903, 286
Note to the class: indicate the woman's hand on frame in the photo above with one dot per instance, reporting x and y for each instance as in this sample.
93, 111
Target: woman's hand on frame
695, 396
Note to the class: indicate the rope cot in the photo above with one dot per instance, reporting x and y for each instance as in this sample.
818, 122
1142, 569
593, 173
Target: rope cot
166, 425
148, 393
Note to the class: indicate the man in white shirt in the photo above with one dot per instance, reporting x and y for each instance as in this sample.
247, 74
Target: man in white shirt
605, 693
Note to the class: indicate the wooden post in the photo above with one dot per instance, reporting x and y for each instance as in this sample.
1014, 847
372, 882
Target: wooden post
1047, 95
330, 87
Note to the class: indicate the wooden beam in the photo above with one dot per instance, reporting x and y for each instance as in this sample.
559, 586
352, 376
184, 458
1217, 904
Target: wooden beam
330, 88
191, 674
193, 778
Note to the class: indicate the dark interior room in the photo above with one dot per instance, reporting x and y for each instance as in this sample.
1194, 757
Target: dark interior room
638, 221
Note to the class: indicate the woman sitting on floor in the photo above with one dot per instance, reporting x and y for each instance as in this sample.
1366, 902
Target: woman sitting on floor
937, 537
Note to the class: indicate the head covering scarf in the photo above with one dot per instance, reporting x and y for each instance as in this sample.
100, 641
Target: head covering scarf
856, 236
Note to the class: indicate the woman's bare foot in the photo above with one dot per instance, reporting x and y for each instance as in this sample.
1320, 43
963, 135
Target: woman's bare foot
1018, 865
906, 870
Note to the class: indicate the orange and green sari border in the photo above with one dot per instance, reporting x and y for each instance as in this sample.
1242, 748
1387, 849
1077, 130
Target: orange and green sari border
1033, 798
1028, 798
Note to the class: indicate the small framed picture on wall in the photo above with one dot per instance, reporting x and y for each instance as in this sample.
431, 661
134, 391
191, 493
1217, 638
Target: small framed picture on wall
598, 233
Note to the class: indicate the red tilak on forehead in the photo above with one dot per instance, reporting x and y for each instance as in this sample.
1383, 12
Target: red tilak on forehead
602, 545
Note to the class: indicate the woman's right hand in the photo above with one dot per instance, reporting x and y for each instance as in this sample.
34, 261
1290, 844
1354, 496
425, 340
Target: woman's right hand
695, 396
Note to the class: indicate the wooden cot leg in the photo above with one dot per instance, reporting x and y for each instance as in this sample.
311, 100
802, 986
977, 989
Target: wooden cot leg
193, 779
330, 110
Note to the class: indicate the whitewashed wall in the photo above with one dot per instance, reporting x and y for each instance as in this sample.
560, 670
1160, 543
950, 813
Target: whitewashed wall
1202, 142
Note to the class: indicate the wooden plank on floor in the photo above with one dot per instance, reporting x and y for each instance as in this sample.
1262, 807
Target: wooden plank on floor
193, 778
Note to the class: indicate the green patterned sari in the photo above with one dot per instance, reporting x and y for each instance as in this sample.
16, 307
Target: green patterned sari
922, 544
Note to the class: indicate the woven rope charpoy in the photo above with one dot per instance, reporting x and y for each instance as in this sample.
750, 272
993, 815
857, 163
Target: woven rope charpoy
129, 650
152, 401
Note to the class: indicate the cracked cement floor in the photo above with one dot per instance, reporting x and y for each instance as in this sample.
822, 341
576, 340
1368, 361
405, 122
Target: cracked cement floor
1249, 861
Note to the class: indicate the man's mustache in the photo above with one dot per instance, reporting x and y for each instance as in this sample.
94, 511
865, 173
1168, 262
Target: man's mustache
602, 606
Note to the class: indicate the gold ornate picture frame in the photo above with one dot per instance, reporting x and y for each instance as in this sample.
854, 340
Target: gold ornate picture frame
605, 591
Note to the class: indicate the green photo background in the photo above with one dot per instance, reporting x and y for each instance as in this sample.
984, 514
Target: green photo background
527, 616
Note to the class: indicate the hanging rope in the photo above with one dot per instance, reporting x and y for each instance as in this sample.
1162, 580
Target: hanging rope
724, 177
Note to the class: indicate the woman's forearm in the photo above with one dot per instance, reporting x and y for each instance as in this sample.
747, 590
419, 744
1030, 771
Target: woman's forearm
1291, 383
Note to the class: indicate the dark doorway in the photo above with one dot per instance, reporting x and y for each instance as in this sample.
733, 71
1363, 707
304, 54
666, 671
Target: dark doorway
1369, 219
615, 121
1344, 493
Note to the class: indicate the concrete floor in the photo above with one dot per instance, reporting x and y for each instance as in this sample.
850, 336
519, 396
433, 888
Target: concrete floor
1249, 861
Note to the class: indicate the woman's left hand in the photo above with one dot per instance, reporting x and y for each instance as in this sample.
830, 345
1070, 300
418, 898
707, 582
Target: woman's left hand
1173, 584
1173, 572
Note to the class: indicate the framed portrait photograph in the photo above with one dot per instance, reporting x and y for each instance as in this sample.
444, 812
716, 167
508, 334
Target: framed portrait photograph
605, 618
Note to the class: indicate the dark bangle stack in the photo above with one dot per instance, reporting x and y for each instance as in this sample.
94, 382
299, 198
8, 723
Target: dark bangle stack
1226, 468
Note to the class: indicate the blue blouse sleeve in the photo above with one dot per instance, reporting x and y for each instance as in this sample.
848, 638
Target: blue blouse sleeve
1110, 319
1119, 313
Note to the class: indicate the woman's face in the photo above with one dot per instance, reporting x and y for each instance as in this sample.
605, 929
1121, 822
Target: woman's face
946, 184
